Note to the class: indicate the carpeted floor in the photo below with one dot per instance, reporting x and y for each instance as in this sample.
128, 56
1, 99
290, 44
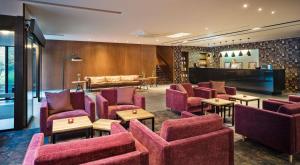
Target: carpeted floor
13, 144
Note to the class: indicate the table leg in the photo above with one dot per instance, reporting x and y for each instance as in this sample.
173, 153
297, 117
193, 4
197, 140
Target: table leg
224, 113
53, 138
246, 103
241, 101
153, 124
258, 103
229, 112
232, 118
87, 133
218, 110
92, 132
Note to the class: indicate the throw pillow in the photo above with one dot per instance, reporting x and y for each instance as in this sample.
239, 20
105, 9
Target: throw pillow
59, 102
189, 89
219, 86
290, 109
125, 95
180, 88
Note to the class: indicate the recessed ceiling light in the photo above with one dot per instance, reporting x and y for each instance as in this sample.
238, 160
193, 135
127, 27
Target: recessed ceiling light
177, 35
256, 28
206, 28
127, 41
185, 41
259, 9
273, 12
157, 40
245, 5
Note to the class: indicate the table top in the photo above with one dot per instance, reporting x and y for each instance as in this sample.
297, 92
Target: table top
244, 97
217, 102
62, 125
140, 115
77, 82
104, 124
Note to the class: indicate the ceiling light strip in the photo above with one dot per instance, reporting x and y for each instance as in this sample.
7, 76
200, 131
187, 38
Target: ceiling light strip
71, 6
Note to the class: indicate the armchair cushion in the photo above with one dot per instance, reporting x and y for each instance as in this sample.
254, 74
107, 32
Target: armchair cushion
189, 89
290, 109
175, 129
59, 102
114, 108
219, 86
77, 100
67, 114
125, 95
194, 101
180, 88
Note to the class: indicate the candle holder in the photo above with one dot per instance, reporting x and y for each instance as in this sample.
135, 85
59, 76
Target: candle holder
70, 120
216, 100
134, 111
244, 95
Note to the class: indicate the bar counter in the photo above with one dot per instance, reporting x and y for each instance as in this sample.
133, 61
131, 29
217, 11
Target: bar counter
254, 80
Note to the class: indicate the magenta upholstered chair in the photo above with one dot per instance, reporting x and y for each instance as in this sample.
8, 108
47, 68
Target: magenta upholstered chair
107, 102
275, 104
279, 130
179, 101
228, 90
187, 141
120, 148
82, 105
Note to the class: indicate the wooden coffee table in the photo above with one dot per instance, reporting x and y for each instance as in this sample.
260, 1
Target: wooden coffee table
104, 125
61, 126
245, 98
219, 105
141, 115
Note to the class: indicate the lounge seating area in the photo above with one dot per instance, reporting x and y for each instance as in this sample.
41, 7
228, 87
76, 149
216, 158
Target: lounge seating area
134, 82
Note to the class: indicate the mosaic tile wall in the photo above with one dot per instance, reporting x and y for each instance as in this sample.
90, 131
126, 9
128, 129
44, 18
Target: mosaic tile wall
284, 53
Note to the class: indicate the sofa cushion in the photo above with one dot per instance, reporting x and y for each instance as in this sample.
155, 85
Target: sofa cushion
67, 114
194, 101
77, 100
189, 89
113, 78
129, 78
59, 102
175, 129
219, 86
114, 108
290, 109
125, 95
110, 94
86, 150
204, 84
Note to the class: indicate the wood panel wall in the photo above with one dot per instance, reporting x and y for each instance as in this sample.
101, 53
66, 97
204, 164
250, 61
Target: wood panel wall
99, 59
166, 53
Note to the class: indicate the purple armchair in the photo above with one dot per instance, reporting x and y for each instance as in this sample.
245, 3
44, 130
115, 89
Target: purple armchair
278, 130
107, 103
229, 90
178, 100
188, 141
119, 148
275, 104
82, 105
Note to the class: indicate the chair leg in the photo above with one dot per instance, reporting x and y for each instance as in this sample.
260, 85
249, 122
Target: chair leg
291, 158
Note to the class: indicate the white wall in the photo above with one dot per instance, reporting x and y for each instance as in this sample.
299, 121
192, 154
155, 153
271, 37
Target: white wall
244, 59
11, 7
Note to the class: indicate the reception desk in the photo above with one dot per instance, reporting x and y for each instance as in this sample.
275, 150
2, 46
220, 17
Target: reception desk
254, 80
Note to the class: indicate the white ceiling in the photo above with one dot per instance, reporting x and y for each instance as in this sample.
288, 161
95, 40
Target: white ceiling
158, 18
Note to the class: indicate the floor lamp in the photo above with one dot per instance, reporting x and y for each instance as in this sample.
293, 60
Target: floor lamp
73, 59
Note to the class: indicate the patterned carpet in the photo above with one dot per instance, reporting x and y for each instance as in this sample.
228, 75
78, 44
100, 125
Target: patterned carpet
14, 144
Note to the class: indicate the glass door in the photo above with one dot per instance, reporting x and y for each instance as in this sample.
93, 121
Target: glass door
7, 79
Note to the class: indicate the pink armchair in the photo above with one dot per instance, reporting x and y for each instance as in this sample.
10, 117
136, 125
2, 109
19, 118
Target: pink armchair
116, 149
275, 104
82, 105
190, 100
189, 141
107, 103
229, 90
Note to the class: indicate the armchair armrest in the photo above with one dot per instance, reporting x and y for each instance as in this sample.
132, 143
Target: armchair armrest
294, 98
230, 90
176, 100
203, 92
89, 106
32, 150
139, 101
273, 105
43, 116
117, 128
186, 114
101, 106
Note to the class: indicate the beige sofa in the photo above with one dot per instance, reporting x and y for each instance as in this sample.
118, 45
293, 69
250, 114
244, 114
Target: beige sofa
94, 82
